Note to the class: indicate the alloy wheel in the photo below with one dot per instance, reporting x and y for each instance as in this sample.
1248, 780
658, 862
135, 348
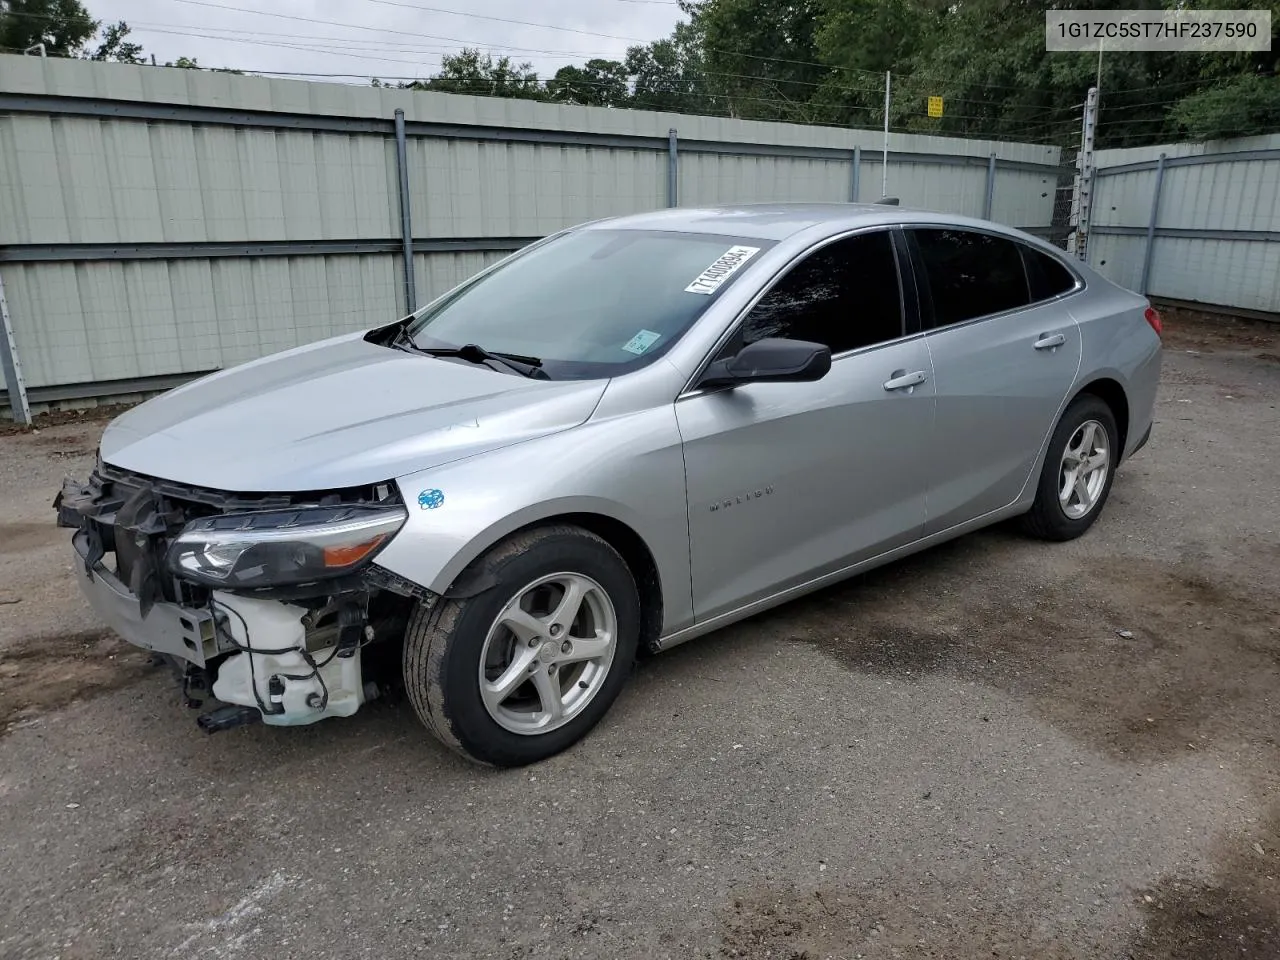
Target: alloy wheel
1086, 463
548, 653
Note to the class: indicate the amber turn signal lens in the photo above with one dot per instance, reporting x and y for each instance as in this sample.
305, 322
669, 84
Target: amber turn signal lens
345, 556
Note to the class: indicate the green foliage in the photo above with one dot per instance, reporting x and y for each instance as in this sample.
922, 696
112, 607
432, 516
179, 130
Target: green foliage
67, 29
823, 61
115, 45
477, 74
667, 75
599, 83
1236, 107
63, 26
663, 75
759, 56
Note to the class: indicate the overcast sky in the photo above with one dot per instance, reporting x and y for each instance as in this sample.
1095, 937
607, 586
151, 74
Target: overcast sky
384, 38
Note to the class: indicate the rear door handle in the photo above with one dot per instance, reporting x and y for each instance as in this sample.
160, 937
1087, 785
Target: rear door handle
1048, 341
901, 380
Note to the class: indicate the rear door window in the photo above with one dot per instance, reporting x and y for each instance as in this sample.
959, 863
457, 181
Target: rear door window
970, 274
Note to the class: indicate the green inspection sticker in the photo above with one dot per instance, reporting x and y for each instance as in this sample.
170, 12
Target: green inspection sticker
641, 342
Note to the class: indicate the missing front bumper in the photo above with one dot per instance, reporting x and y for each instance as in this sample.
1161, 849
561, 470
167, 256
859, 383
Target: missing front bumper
264, 663
292, 655
186, 633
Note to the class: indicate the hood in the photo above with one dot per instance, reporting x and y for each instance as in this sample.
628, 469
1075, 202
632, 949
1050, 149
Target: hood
339, 413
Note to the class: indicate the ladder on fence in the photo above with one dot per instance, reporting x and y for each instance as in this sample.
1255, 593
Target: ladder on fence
1083, 182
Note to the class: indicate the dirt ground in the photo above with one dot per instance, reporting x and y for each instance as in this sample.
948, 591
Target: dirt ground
999, 748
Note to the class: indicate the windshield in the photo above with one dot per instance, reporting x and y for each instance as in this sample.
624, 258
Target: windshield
593, 303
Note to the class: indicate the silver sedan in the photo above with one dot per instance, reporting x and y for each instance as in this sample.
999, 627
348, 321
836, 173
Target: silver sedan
624, 436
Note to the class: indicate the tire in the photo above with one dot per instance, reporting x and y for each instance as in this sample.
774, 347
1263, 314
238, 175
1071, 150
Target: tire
445, 645
1052, 518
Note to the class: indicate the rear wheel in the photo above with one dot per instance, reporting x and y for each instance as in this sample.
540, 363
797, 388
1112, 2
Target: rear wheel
1078, 469
529, 665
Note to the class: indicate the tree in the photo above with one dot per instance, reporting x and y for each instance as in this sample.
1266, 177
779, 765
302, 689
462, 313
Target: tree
114, 45
1239, 107
63, 26
859, 40
191, 63
471, 72
823, 61
600, 83
67, 30
667, 75
759, 56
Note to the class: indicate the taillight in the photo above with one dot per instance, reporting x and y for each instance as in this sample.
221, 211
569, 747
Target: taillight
1153, 317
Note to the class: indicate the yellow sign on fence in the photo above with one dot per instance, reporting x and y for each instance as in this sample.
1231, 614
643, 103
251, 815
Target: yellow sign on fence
935, 106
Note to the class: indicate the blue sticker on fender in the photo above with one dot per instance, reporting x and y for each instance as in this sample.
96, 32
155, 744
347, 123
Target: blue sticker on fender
430, 499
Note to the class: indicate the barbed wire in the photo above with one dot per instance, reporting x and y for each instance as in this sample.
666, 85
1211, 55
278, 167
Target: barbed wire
720, 93
876, 77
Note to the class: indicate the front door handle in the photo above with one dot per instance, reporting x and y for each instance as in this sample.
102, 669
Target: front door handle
1048, 341
901, 380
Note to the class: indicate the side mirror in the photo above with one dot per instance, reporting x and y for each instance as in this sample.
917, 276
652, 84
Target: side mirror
771, 360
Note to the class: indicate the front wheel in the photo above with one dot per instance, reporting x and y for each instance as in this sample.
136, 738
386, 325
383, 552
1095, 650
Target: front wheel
1083, 454
529, 665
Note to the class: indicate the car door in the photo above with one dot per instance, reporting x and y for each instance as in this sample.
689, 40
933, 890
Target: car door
789, 481
1002, 363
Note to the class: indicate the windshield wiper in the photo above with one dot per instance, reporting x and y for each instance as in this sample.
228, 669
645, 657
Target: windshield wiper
530, 367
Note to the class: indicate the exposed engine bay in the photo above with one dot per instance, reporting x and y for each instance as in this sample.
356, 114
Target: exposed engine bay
266, 606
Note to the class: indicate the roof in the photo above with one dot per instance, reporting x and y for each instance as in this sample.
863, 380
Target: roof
778, 221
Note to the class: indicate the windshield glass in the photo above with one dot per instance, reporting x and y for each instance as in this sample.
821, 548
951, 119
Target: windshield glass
593, 303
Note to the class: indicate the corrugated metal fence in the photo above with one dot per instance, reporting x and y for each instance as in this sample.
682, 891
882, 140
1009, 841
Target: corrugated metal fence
159, 223
1192, 222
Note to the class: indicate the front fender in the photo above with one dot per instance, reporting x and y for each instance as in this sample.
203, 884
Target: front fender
629, 468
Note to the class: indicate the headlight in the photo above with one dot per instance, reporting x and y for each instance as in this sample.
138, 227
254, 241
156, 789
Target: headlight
280, 547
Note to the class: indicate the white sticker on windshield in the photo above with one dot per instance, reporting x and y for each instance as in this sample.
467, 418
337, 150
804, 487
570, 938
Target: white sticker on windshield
641, 342
726, 265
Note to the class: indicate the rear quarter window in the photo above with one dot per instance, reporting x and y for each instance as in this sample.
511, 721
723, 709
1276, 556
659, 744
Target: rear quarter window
1046, 276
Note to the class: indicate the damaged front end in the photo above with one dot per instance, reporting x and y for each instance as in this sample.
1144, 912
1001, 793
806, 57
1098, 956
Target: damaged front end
264, 603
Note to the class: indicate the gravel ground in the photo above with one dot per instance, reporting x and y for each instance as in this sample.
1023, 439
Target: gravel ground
1000, 748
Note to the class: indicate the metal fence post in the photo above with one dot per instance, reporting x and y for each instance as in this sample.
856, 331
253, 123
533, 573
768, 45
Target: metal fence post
1085, 162
854, 185
884, 172
1151, 226
406, 221
991, 187
13, 381
673, 168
